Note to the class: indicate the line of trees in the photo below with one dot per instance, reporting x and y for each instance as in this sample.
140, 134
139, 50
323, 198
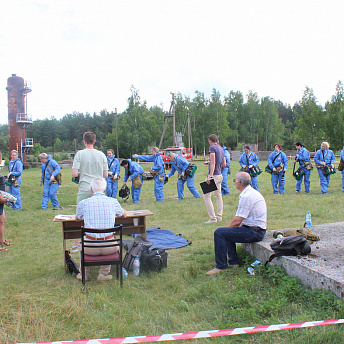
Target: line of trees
234, 119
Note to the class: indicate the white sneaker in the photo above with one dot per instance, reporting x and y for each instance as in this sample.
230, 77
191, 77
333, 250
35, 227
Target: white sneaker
211, 221
219, 219
102, 277
79, 277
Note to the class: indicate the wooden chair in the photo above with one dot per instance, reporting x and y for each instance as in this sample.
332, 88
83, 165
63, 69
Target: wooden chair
112, 259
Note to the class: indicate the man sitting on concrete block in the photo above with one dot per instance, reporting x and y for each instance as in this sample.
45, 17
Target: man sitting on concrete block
248, 225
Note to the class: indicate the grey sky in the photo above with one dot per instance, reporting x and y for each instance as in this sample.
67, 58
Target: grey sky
84, 55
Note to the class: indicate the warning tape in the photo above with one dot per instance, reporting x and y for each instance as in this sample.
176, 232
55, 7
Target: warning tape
200, 334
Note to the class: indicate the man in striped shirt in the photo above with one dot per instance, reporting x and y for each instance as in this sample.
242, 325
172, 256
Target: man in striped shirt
248, 225
99, 211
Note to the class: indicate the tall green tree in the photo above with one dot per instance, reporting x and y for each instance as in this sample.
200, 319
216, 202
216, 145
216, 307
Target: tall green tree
310, 129
270, 124
335, 118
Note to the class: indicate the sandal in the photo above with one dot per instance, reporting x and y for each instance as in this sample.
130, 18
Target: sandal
3, 249
6, 243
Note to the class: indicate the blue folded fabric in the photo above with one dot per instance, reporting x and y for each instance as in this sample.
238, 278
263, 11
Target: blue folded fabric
165, 238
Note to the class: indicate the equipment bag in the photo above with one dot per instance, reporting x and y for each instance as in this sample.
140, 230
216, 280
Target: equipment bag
267, 168
191, 170
124, 192
153, 260
299, 173
71, 265
134, 248
290, 246
341, 165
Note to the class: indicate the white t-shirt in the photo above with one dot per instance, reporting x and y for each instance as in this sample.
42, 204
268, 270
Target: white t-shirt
91, 164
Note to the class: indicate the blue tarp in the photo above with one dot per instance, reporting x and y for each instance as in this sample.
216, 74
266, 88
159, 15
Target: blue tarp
165, 238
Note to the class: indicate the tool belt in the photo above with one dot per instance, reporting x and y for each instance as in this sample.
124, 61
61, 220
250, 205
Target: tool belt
279, 168
341, 165
243, 169
180, 176
191, 170
112, 177
307, 165
149, 175
255, 171
326, 169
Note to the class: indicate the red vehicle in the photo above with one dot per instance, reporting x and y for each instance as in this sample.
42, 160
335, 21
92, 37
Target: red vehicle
179, 151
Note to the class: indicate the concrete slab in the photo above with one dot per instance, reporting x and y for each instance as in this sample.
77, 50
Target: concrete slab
323, 268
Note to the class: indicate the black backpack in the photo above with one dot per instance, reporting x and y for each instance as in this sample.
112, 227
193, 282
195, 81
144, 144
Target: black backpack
134, 248
150, 260
290, 246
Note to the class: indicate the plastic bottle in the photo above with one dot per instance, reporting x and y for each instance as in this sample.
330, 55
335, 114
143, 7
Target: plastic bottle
136, 266
250, 270
308, 220
124, 273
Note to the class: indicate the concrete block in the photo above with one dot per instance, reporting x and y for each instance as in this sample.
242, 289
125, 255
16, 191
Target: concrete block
323, 268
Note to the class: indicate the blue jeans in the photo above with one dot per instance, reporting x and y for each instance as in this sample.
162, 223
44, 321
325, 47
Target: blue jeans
324, 180
225, 239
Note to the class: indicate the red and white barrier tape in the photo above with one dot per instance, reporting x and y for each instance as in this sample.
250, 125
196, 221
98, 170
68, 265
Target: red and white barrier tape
200, 334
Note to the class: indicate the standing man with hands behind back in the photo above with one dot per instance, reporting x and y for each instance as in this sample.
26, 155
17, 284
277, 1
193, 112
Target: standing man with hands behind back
217, 162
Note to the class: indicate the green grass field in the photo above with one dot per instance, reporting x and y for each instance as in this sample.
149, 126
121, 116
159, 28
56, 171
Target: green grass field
40, 302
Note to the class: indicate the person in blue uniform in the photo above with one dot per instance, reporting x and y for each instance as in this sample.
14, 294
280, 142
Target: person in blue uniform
16, 169
278, 163
303, 156
158, 166
180, 164
225, 172
133, 170
248, 160
113, 173
324, 157
50, 169
342, 158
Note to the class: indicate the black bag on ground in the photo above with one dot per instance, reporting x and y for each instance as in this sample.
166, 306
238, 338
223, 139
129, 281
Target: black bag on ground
134, 248
290, 246
71, 265
153, 260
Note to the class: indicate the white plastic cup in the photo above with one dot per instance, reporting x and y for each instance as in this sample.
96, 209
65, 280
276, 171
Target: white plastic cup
136, 221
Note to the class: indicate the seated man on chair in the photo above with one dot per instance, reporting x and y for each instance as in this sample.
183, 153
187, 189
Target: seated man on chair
99, 211
248, 225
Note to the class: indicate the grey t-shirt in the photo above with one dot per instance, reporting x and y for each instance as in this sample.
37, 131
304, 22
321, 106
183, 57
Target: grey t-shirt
219, 157
91, 164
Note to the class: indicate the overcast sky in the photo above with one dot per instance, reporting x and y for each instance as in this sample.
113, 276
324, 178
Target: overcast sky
82, 55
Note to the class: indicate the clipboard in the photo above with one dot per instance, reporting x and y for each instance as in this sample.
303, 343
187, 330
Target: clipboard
206, 188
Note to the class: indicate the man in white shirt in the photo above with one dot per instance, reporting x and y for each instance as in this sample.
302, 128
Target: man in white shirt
248, 225
99, 211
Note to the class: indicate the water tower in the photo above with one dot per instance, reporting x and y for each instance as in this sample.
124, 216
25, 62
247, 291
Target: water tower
18, 119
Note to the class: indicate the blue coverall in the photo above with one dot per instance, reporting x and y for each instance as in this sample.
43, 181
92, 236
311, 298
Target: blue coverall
342, 157
276, 179
132, 171
303, 156
225, 171
51, 167
16, 168
112, 185
329, 158
180, 164
248, 160
160, 178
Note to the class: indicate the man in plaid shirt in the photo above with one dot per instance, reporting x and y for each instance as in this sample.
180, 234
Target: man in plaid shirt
99, 211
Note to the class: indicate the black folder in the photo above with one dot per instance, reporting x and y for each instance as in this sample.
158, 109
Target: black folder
206, 188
